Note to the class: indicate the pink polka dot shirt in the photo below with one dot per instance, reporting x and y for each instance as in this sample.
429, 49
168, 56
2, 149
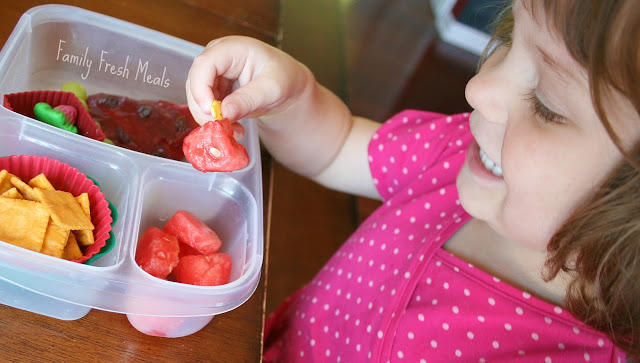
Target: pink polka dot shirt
392, 294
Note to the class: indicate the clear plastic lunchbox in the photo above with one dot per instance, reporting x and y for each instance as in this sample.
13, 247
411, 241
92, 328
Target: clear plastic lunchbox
55, 44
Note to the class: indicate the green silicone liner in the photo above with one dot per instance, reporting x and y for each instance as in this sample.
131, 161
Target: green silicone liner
111, 241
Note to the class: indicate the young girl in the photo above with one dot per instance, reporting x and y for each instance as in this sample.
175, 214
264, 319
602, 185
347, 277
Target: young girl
508, 234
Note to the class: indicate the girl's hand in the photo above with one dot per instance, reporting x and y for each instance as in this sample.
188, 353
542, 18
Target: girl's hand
302, 124
251, 78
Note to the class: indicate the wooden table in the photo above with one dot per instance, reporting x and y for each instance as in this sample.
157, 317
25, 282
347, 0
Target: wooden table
235, 336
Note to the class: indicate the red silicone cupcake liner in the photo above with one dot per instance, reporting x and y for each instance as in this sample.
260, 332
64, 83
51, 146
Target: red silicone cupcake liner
24, 102
69, 179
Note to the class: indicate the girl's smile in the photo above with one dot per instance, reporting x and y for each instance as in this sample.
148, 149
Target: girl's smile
490, 164
482, 166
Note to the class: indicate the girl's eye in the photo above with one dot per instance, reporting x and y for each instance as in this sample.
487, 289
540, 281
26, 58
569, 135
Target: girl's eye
539, 109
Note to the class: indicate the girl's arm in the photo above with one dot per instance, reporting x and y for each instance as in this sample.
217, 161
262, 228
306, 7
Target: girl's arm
302, 124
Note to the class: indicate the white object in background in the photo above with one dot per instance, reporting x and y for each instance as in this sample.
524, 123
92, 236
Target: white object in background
454, 32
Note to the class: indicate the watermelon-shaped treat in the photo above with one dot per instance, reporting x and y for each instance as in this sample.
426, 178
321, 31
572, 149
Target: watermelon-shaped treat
190, 230
157, 252
204, 270
212, 147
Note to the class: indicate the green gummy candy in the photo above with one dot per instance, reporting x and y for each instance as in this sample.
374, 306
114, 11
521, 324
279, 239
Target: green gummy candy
45, 113
70, 128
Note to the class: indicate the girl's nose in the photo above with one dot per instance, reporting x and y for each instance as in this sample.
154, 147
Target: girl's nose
488, 91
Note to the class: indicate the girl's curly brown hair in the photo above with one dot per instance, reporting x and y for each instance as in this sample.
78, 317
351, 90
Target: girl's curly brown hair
599, 244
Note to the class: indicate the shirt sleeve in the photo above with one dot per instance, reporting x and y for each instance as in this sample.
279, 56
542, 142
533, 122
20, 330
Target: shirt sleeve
412, 143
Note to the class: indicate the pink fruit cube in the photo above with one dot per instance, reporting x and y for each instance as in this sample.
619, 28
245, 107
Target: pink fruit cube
192, 231
204, 270
157, 252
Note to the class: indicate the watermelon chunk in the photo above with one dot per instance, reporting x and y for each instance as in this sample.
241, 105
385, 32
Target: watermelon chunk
192, 231
157, 252
212, 147
204, 270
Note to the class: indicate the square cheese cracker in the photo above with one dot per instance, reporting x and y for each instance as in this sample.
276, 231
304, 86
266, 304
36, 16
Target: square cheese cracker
12, 193
55, 239
25, 189
83, 200
64, 209
84, 236
41, 181
5, 181
23, 223
72, 250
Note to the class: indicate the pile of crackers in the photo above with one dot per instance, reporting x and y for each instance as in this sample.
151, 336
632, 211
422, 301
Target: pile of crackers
36, 216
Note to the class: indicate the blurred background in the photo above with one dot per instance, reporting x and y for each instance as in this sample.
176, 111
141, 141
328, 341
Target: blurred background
380, 57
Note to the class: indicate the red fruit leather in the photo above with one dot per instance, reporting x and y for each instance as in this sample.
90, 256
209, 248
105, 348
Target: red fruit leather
150, 127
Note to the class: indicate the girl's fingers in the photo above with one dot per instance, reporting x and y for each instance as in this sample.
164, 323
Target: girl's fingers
220, 60
251, 99
194, 107
204, 70
240, 71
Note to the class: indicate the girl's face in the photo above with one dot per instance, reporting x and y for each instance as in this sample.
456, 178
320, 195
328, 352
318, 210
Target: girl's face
540, 147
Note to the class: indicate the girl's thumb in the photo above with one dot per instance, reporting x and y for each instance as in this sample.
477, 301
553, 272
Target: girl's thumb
250, 99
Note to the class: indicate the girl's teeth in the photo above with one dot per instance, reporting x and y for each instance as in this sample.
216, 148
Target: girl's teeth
490, 165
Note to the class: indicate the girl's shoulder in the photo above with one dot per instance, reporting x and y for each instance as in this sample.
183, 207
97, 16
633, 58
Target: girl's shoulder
428, 132
411, 118
415, 145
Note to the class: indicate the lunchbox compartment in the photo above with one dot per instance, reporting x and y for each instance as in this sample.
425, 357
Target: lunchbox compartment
28, 137
220, 201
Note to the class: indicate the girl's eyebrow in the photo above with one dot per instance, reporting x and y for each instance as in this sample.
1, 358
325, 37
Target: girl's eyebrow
559, 68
